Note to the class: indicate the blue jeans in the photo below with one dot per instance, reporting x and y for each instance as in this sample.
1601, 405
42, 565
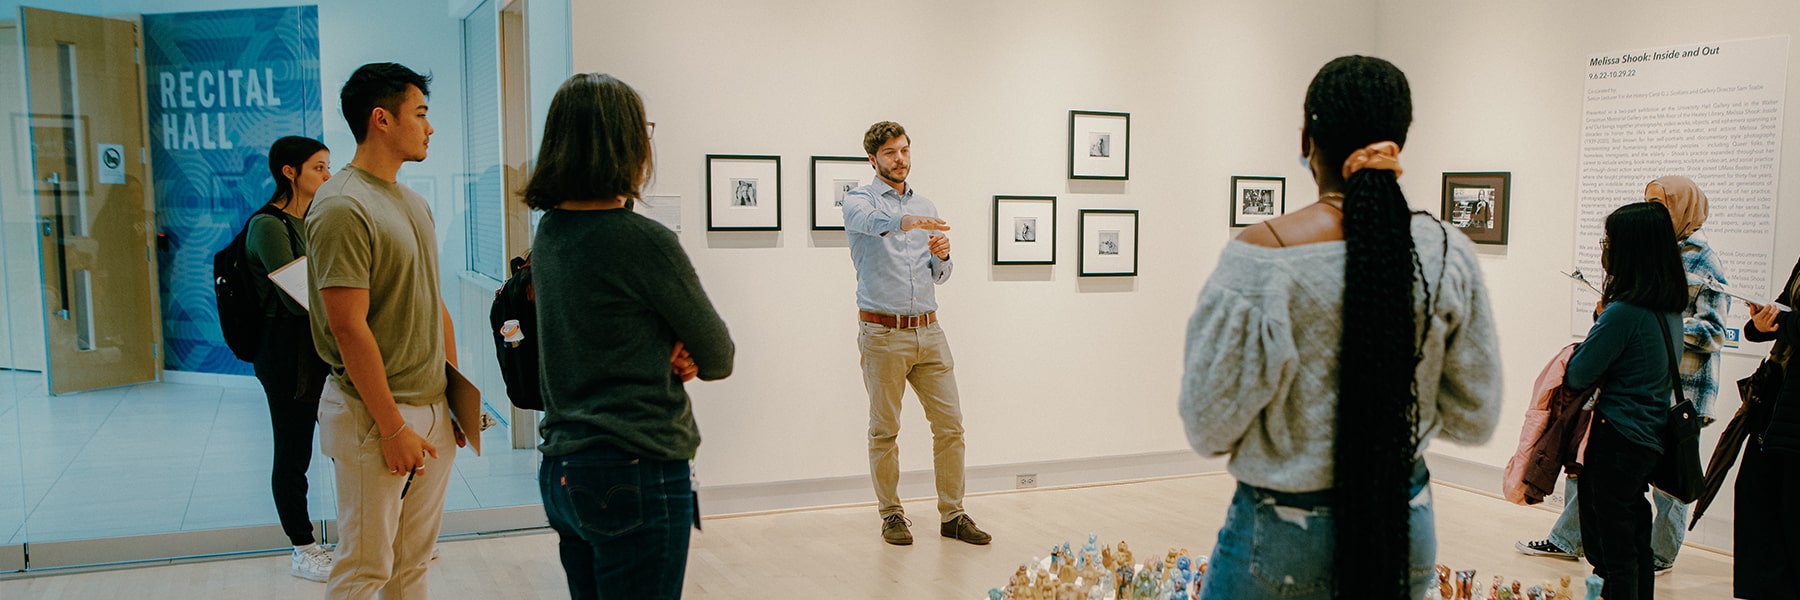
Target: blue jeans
1268, 550
1666, 532
622, 522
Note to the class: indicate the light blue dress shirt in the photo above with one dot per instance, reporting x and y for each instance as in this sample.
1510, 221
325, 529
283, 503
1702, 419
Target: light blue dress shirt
895, 270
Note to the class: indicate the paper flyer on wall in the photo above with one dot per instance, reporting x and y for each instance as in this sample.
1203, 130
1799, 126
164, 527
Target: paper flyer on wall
291, 278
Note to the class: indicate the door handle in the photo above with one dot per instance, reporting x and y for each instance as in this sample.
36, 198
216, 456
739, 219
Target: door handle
62, 250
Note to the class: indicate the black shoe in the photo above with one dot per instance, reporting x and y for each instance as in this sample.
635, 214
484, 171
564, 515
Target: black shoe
963, 528
894, 530
1544, 547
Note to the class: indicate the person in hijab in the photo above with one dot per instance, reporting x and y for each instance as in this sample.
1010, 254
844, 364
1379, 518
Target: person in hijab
1703, 333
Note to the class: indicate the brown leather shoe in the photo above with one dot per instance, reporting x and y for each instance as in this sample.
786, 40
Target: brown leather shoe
963, 528
894, 530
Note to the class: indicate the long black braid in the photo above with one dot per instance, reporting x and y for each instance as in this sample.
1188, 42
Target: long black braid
1353, 102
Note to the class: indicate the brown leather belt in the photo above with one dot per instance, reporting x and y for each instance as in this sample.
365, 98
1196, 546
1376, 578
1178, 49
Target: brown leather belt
898, 321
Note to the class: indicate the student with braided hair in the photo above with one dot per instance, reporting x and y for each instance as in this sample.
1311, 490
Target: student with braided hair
1329, 345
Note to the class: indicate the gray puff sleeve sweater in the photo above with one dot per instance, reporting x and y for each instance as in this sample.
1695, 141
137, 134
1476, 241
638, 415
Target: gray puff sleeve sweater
1260, 381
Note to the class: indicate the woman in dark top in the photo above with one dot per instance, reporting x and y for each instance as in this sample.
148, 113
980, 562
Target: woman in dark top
290, 370
1766, 531
623, 323
1627, 355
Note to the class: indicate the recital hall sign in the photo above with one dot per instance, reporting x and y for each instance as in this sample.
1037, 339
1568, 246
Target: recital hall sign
223, 86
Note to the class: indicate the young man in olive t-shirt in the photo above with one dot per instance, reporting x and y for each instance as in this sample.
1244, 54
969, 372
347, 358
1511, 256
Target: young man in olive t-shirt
379, 323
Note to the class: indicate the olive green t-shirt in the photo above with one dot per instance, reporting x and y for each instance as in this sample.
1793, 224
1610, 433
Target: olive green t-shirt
369, 233
269, 248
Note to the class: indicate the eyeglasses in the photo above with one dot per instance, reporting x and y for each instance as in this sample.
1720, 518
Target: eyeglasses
652, 132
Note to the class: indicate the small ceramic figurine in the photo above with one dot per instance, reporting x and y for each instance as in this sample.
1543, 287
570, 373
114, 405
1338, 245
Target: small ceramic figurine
1445, 591
1535, 592
1563, 592
1090, 552
1123, 582
1125, 554
1594, 585
1145, 586
1516, 594
1465, 585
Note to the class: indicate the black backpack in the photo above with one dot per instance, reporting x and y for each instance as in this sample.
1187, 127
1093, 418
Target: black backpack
234, 286
516, 301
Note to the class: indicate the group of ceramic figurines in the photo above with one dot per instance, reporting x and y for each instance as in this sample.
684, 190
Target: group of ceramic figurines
1464, 588
1099, 573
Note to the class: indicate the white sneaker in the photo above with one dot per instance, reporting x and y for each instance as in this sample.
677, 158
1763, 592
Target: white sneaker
311, 562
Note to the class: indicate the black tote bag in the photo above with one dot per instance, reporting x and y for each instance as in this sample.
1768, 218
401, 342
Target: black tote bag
1678, 472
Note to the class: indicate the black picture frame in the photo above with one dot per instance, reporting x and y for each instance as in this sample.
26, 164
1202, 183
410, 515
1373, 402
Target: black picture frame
1091, 262
1099, 156
821, 189
725, 170
1465, 193
1243, 213
1037, 208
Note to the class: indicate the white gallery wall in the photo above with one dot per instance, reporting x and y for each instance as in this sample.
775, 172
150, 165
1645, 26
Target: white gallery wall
1498, 86
1051, 366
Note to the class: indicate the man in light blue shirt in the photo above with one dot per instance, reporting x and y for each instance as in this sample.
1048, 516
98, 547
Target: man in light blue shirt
900, 252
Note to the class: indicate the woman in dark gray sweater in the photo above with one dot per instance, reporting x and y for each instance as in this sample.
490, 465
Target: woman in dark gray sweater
623, 323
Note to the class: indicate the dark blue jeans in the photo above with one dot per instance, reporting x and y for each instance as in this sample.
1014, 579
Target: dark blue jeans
623, 522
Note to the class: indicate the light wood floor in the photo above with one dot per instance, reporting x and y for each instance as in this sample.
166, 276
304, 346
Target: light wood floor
837, 553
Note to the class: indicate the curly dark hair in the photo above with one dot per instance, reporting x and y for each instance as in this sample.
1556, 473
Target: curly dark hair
880, 133
1353, 102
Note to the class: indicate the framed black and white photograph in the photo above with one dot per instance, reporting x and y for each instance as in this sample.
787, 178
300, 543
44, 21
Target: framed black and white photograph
1024, 230
743, 192
832, 177
1478, 204
1109, 244
1257, 199
1099, 145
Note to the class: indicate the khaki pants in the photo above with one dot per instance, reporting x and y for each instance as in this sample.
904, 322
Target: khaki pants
384, 541
890, 358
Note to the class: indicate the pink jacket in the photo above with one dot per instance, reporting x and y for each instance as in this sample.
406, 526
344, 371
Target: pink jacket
1554, 435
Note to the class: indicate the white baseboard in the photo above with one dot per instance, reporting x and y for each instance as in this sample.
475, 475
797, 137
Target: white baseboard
1712, 532
214, 379
857, 489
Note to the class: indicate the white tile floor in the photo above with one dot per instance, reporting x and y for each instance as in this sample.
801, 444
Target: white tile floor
161, 458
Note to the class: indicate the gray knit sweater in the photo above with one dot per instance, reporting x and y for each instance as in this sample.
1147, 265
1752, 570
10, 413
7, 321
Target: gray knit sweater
1261, 372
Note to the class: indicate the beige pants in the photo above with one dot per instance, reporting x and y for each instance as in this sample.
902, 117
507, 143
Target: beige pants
384, 541
891, 358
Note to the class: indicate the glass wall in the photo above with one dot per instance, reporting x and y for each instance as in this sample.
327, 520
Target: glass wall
123, 417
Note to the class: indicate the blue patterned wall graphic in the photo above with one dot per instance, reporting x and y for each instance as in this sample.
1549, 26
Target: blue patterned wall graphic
223, 86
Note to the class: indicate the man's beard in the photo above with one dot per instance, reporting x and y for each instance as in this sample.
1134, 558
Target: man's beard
887, 174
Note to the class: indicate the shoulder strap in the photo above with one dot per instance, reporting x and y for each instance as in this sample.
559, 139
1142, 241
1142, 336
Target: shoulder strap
1278, 243
1674, 371
279, 215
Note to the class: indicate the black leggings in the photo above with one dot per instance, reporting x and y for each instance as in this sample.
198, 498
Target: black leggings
292, 376
1615, 517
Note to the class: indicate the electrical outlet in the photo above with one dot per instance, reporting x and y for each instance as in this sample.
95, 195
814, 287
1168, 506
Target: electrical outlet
1026, 481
